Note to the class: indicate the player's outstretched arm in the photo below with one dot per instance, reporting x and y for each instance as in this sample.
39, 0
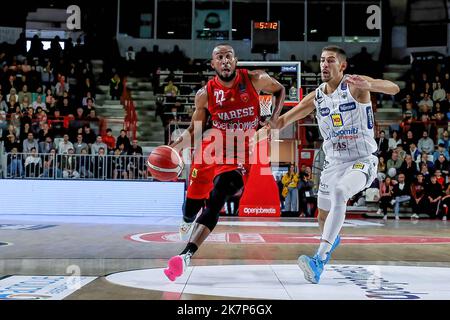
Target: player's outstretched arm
198, 121
263, 82
373, 85
300, 111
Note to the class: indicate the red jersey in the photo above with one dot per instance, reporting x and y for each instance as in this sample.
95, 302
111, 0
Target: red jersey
233, 112
235, 108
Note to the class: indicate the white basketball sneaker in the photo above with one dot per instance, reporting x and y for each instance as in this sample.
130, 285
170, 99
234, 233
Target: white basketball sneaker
185, 230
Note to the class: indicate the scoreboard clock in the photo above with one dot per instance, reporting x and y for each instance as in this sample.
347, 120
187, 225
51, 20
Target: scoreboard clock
265, 36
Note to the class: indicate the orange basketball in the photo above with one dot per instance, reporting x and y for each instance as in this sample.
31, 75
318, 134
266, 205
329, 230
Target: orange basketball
164, 163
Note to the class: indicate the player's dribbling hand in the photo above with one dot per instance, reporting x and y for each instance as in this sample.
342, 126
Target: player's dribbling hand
271, 122
264, 123
357, 81
175, 145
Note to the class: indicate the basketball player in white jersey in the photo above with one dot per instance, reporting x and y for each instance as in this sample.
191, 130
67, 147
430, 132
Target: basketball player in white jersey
345, 118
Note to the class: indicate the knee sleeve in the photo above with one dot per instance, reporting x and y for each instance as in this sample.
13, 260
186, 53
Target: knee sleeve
336, 216
225, 185
228, 183
191, 207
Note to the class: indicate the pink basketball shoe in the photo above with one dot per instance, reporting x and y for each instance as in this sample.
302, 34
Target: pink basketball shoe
177, 266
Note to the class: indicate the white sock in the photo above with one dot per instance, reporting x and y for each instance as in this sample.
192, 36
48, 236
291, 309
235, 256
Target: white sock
324, 248
332, 227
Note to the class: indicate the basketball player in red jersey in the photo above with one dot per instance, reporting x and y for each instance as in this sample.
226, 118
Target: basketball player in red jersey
229, 103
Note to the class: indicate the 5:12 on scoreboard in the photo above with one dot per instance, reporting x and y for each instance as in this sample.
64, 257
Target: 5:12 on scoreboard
265, 25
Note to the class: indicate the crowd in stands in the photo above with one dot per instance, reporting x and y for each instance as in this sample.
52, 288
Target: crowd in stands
414, 155
89, 156
45, 87
172, 91
47, 106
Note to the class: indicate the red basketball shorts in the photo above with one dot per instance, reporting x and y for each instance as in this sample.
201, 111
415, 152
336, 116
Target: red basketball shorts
201, 178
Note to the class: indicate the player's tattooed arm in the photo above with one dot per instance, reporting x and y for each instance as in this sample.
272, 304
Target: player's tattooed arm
198, 122
263, 82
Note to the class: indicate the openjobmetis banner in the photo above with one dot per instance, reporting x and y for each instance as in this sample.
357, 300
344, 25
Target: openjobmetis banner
261, 197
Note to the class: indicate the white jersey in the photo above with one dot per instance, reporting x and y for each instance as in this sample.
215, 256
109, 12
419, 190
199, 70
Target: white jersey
345, 125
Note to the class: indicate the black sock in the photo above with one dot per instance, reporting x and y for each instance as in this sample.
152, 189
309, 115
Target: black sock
189, 219
190, 249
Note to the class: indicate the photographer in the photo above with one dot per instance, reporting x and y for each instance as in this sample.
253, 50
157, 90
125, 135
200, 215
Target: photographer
307, 199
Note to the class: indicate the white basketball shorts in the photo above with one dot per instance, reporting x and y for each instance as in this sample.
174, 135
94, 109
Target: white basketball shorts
333, 173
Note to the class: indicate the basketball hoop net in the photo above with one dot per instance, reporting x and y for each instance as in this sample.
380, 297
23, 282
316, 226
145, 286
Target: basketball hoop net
265, 104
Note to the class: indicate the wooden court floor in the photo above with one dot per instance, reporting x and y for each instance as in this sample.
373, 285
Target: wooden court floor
244, 258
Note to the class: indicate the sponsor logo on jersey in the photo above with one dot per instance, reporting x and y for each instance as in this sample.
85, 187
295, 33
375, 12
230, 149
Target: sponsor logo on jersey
369, 117
236, 114
347, 107
244, 97
324, 111
343, 90
337, 120
243, 92
347, 134
340, 146
194, 173
319, 98
236, 125
358, 166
